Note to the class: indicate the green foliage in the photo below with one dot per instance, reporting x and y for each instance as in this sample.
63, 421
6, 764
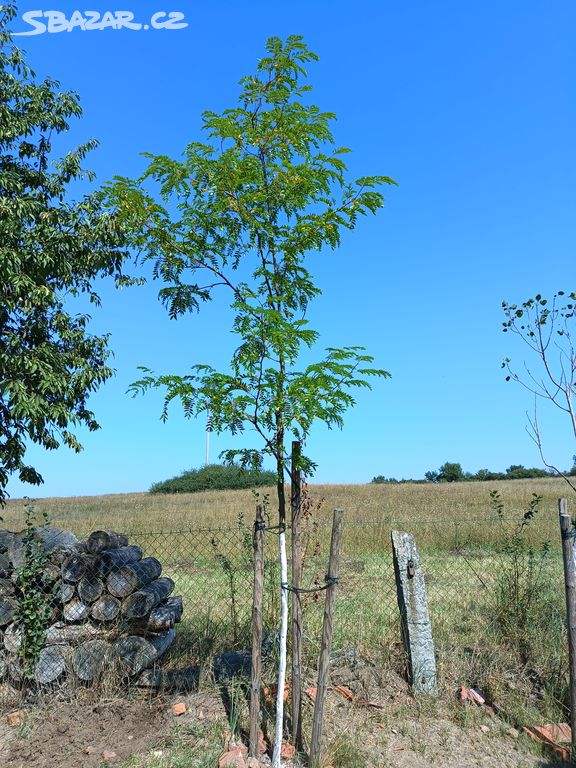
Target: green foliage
213, 477
450, 472
50, 249
527, 605
344, 753
239, 214
35, 593
381, 480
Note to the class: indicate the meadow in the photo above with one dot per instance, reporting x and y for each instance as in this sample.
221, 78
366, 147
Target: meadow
428, 506
495, 587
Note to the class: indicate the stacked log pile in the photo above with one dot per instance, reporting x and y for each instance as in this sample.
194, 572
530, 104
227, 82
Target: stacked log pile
110, 607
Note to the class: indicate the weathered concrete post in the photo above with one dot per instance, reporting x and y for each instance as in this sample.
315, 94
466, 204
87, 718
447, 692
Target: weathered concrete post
416, 628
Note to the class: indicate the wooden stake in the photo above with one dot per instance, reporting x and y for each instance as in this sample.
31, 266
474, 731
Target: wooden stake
568, 553
324, 661
257, 601
295, 502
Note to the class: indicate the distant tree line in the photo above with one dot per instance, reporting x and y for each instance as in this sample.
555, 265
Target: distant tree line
452, 472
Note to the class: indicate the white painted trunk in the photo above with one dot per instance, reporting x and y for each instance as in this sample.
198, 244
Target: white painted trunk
282, 663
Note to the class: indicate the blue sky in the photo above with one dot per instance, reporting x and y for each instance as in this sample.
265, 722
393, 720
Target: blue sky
470, 107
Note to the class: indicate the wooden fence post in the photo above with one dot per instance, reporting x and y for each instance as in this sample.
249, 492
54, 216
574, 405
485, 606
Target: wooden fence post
257, 601
568, 553
295, 502
416, 629
324, 661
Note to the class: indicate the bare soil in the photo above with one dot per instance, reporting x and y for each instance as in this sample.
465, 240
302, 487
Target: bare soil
385, 727
69, 735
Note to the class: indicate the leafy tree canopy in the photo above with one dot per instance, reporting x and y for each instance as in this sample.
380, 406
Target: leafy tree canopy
266, 189
50, 249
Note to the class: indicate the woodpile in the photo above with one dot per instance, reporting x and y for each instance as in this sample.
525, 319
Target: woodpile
109, 607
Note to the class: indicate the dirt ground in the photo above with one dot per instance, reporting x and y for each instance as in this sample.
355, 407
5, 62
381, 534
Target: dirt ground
73, 734
383, 728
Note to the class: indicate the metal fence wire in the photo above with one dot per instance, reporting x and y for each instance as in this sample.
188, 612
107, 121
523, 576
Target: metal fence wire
82, 610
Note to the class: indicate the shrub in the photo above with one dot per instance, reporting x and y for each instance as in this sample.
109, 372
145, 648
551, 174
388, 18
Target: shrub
529, 613
215, 477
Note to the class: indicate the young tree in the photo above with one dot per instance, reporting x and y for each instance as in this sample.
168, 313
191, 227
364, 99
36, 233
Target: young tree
547, 328
50, 248
268, 188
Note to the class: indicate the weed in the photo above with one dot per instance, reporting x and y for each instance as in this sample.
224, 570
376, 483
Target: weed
345, 754
230, 569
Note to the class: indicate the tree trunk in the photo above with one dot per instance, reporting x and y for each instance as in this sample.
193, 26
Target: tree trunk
6, 587
5, 566
98, 541
295, 508
136, 653
129, 578
161, 618
61, 633
279, 727
106, 609
75, 567
116, 558
51, 663
181, 680
8, 608
90, 658
90, 588
75, 610
282, 660
12, 638
140, 603
15, 672
66, 592
6, 538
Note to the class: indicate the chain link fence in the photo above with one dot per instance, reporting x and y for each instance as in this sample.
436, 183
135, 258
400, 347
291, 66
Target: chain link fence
75, 612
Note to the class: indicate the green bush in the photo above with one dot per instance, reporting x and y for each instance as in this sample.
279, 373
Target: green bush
215, 477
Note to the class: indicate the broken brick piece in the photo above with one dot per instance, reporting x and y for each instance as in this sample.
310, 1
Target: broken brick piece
15, 718
234, 758
287, 751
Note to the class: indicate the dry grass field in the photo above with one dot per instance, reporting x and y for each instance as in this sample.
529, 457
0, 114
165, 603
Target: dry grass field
498, 618
432, 509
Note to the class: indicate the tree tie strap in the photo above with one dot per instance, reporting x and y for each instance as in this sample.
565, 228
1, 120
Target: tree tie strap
329, 582
277, 529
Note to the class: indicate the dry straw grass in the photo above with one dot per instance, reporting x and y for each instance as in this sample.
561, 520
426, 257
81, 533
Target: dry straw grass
457, 532
431, 510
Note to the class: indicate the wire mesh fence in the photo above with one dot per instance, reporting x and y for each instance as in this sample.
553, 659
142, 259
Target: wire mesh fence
77, 610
